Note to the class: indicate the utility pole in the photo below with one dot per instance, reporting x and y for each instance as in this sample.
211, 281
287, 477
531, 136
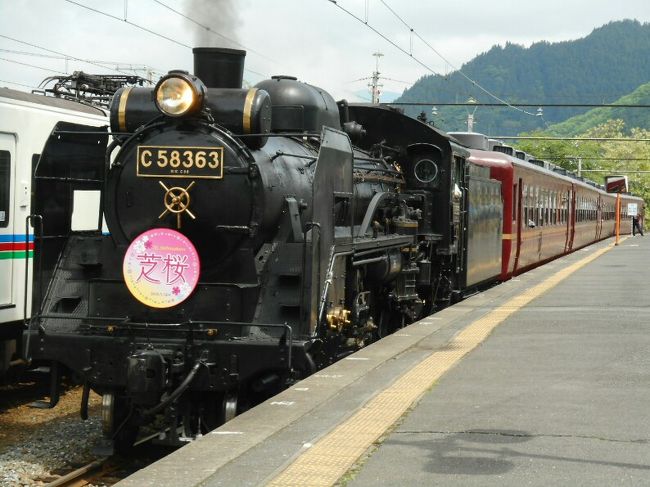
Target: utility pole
374, 83
579, 166
470, 122
470, 116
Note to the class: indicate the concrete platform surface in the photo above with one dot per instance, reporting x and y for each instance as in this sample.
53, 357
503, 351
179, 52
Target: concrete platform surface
558, 394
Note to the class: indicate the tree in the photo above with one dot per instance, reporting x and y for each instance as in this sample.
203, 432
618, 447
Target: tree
613, 157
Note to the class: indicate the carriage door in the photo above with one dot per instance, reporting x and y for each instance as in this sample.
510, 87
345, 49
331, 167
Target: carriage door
519, 223
599, 217
7, 219
571, 218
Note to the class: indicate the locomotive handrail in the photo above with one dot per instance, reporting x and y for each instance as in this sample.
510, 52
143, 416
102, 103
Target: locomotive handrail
68, 179
32, 218
308, 226
127, 320
286, 154
328, 280
273, 134
280, 134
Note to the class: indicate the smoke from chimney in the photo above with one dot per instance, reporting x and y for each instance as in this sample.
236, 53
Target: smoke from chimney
221, 17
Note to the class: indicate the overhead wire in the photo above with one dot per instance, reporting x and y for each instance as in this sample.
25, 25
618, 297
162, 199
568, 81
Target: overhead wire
106, 64
428, 68
475, 83
145, 29
18, 84
114, 17
212, 31
622, 159
547, 105
34, 54
32, 66
396, 46
62, 54
590, 139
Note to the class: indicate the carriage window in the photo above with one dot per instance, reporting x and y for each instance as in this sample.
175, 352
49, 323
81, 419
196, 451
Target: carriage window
5, 187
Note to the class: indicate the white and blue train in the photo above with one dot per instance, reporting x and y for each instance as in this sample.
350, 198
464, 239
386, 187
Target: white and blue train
27, 122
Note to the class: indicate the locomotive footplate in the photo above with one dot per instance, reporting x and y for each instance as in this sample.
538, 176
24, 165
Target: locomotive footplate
148, 359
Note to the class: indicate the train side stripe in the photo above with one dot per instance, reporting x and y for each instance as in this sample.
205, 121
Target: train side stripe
16, 246
15, 255
15, 237
332, 455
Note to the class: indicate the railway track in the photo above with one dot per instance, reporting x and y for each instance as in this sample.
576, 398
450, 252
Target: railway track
110, 470
85, 475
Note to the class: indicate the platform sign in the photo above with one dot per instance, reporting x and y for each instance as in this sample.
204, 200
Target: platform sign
161, 268
616, 184
632, 209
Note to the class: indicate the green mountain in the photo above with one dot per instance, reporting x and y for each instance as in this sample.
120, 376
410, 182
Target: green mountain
599, 68
633, 117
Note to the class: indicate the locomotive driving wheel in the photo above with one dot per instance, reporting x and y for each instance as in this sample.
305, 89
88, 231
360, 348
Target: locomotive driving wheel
118, 424
229, 406
214, 410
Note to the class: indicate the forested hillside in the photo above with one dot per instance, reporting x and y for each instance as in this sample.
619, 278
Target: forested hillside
600, 68
633, 117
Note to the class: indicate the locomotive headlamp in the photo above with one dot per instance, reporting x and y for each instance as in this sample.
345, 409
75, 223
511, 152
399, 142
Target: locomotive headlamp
179, 94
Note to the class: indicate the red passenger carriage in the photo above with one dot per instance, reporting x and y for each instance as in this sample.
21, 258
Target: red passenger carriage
547, 211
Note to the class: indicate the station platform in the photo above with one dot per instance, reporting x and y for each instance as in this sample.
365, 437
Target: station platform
543, 380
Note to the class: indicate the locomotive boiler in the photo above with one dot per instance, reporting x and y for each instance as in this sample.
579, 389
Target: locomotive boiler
253, 237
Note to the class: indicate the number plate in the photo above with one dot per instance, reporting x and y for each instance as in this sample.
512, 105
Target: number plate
180, 162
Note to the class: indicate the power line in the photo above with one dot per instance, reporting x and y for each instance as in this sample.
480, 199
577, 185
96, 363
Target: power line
486, 91
212, 31
623, 159
627, 171
383, 36
397, 80
31, 65
62, 54
35, 54
18, 84
137, 26
548, 105
162, 36
595, 139
134, 67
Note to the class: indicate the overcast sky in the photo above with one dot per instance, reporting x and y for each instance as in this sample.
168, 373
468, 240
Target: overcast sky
312, 39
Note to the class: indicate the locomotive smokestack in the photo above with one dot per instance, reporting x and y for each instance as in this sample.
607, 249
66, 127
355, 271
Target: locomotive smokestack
219, 67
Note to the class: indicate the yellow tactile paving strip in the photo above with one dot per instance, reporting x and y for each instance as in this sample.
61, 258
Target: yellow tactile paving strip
335, 453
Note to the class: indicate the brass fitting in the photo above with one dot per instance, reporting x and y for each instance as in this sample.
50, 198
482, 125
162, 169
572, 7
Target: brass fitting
338, 318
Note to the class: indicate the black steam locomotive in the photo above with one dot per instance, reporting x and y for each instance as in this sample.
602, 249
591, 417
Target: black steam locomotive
254, 236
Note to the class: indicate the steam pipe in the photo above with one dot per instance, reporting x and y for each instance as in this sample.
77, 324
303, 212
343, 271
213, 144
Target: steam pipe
177, 392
